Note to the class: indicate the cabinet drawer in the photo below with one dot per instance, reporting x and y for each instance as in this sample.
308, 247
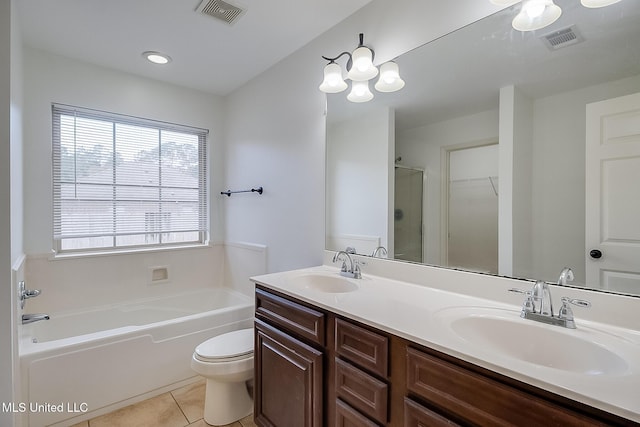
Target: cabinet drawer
363, 347
346, 416
362, 391
416, 415
479, 399
296, 318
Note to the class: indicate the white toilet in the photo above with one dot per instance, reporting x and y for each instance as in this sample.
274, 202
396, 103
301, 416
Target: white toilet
226, 361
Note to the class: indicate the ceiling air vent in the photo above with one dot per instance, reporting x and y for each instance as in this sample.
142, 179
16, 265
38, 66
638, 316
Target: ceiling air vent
562, 38
221, 10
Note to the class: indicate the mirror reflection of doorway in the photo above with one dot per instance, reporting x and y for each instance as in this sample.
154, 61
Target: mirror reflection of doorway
473, 208
408, 214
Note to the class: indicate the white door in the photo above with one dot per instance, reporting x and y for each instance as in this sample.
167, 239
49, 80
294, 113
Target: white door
613, 194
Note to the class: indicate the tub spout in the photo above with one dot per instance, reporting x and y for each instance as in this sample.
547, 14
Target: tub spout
30, 318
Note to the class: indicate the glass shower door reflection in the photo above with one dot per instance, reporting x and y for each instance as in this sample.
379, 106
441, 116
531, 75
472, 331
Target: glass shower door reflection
408, 214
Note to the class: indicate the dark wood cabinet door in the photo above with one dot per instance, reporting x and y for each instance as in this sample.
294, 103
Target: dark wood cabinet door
416, 415
346, 416
288, 380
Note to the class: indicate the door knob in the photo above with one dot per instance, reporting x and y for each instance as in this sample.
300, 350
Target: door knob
595, 254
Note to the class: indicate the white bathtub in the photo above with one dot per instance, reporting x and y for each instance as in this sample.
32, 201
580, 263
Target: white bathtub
84, 363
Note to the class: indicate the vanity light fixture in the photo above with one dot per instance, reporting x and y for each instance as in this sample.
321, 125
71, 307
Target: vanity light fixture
156, 57
360, 70
536, 14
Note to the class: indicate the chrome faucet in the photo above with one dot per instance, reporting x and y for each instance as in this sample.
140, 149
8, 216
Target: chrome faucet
25, 294
542, 295
353, 271
539, 307
380, 251
30, 318
565, 275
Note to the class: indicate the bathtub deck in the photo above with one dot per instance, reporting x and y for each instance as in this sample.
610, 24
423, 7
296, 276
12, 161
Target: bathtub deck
179, 408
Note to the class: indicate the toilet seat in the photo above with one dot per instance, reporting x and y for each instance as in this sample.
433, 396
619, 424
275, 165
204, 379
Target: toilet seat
236, 345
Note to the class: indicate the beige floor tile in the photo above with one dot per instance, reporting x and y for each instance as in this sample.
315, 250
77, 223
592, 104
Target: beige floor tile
82, 424
248, 421
191, 400
160, 411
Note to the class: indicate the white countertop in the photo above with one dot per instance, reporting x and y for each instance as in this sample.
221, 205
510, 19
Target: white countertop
419, 313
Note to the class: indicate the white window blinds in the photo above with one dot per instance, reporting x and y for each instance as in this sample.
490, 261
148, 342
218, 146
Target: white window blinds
121, 181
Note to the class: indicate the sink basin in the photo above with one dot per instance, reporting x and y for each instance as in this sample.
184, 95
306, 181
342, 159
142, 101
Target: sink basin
330, 283
504, 332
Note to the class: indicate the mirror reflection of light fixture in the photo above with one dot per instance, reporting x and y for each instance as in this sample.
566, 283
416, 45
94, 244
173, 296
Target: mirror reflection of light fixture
504, 2
156, 57
597, 3
536, 14
389, 80
360, 70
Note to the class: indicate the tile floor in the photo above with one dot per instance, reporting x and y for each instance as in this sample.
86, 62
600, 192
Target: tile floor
178, 408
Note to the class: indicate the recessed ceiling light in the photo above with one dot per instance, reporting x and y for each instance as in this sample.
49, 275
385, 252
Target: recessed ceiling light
156, 57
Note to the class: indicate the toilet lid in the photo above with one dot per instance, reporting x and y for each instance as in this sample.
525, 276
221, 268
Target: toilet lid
229, 345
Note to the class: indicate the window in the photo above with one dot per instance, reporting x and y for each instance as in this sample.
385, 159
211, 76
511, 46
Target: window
124, 182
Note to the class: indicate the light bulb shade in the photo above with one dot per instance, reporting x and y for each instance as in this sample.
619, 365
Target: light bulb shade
362, 68
504, 2
360, 92
597, 3
389, 80
536, 14
333, 81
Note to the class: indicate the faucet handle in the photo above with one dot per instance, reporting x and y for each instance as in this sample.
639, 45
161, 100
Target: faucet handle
575, 301
528, 306
566, 313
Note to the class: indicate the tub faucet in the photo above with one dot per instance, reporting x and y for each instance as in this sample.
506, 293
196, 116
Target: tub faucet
30, 318
353, 270
25, 293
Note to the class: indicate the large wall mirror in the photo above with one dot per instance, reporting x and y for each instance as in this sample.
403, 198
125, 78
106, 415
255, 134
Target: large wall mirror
491, 158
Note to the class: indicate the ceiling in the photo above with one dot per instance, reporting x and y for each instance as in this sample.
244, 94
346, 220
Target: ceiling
207, 54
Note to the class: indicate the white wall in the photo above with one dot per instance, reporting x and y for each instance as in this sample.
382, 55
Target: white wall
276, 126
558, 190
6, 323
82, 281
421, 147
50, 78
11, 244
514, 230
359, 180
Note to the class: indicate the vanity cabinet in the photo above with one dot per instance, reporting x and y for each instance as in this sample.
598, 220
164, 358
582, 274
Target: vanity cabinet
461, 396
361, 372
315, 368
289, 363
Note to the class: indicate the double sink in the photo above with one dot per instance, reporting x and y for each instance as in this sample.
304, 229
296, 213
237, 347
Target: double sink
496, 332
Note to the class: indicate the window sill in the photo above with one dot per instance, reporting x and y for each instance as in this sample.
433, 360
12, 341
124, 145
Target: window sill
55, 256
